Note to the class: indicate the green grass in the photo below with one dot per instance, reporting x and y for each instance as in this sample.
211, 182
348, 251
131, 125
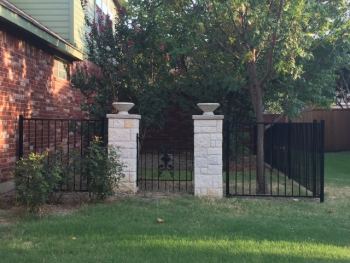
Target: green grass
228, 230
176, 175
337, 168
277, 184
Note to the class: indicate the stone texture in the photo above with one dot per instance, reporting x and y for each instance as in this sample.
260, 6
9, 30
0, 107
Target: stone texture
122, 134
208, 178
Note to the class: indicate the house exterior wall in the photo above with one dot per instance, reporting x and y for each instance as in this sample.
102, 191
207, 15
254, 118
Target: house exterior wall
55, 15
78, 23
29, 86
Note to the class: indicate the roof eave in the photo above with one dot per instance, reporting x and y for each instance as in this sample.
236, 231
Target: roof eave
50, 40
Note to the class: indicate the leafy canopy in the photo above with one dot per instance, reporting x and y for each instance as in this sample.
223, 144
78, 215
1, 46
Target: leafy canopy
164, 54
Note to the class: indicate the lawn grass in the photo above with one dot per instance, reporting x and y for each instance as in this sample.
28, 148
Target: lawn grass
337, 168
171, 175
195, 230
244, 183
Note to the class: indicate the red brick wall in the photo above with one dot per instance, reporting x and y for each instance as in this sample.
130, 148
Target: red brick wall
29, 87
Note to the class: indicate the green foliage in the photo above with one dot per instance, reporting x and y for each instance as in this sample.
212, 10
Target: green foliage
290, 49
104, 81
174, 54
103, 169
156, 58
343, 87
36, 179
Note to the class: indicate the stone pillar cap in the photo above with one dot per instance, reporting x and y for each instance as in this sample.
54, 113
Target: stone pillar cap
208, 117
123, 116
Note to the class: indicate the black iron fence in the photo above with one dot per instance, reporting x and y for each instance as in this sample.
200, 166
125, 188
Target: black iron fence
66, 139
165, 164
293, 163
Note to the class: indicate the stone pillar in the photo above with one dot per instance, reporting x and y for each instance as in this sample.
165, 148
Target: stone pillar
208, 178
122, 132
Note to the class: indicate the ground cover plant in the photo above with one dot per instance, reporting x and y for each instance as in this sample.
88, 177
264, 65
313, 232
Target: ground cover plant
194, 230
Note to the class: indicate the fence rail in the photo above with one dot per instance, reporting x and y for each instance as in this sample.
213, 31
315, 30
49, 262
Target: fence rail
69, 138
293, 159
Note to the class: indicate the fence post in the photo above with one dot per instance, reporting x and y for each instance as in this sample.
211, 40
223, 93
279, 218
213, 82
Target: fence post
314, 157
122, 134
289, 156
227, 157
208, 179
20, 136
137, 158
322, 127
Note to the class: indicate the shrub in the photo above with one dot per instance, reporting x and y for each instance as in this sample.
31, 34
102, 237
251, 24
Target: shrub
103, 168
36, 179
39, 176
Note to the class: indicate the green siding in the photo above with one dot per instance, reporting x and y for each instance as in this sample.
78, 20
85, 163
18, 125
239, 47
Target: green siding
54, 14
64, 17
79, 27
51, 40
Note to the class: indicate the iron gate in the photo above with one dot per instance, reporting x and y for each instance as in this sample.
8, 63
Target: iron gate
165, 164
293, 159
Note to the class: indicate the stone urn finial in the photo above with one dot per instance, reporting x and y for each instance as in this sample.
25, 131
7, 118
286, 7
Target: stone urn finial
208, 108
123, 108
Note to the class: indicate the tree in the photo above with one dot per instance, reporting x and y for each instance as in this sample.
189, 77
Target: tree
277, 47
155, 57
343, 88
103, 78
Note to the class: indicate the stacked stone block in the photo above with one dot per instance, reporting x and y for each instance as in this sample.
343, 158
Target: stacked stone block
208, 155
122, 132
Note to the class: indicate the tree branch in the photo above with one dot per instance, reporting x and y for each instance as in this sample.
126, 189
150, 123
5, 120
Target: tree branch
272, 43
226, 49
275, 121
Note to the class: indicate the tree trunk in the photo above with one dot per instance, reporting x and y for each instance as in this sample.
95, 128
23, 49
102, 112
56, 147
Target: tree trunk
256, 93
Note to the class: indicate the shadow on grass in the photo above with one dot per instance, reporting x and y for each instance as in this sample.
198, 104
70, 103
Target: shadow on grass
195, 230
148, 248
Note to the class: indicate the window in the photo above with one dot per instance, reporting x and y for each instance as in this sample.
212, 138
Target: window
61, 69
106, 7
